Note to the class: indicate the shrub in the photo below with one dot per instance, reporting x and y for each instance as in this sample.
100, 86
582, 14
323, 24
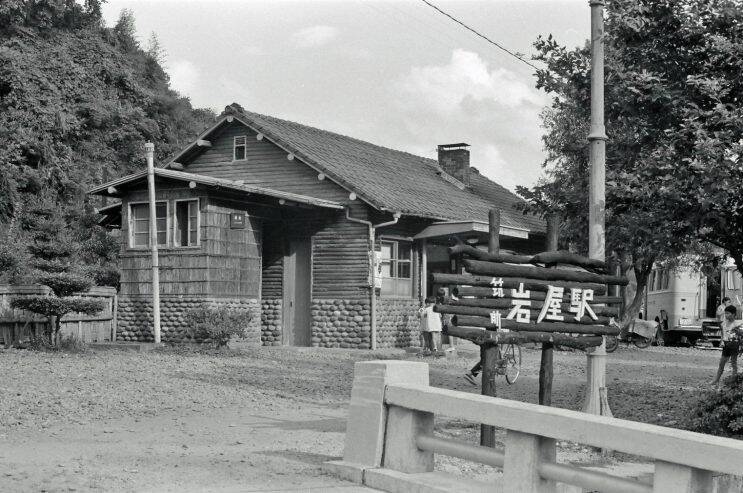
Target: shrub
720, 412
218, 323
64, 284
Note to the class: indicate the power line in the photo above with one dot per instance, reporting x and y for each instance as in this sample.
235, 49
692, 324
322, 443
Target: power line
494, 43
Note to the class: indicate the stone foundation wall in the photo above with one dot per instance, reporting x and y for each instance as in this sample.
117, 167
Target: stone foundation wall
397, 323
341, 323
135, 318
271, 324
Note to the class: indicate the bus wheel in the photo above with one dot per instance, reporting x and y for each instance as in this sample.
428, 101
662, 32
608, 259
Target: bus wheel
715, 343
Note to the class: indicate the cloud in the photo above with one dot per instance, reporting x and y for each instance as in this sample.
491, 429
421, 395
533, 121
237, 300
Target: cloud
466, 78
493, 109
184, 76
313, 37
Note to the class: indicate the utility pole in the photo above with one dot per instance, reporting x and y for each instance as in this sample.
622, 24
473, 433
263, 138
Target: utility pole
596, 400
149, 150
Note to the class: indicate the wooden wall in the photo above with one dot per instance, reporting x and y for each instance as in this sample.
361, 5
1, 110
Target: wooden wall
340, 251
340, 261
273, 259
225, 264
234, 255
266, 166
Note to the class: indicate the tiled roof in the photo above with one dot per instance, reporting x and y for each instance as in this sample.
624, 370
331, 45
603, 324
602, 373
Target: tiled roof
390, 179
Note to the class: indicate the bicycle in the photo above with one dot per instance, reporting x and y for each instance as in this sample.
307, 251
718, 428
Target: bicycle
508, 362
612, 342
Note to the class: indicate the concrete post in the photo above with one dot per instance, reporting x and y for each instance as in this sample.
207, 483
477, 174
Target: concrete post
596, 383
401, 453
680, 479
367, 413
521, 466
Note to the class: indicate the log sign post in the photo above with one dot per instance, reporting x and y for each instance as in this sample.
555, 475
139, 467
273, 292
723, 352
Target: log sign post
489, 353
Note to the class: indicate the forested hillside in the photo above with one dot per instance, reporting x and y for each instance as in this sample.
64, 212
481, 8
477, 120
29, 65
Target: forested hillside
77, 102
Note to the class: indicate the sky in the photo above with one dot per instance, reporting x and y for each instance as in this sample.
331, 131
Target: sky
394, 73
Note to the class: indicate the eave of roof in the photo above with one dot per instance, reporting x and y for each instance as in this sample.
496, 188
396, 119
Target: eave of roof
218, 183
447, 228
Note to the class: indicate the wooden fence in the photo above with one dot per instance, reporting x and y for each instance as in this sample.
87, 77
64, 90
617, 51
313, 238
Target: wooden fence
17, 325
390, 435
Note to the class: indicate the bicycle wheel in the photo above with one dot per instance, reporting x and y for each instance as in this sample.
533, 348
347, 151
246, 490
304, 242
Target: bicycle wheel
612, 343
639, 341
512, 355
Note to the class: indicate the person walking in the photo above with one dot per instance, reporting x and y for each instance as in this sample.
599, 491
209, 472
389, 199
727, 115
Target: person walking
732, 331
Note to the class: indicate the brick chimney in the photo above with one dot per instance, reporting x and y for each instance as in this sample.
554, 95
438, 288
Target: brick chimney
454, 159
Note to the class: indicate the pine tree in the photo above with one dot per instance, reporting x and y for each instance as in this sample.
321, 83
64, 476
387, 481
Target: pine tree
52, 250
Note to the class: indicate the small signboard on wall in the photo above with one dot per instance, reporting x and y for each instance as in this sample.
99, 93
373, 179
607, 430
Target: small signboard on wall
237, 220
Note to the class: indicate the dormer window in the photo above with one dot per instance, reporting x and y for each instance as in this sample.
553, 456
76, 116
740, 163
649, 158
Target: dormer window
239, 148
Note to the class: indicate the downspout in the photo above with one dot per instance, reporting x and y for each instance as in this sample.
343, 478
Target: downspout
372, 278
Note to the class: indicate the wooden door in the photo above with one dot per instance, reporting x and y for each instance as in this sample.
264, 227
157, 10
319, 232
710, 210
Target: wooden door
297, 286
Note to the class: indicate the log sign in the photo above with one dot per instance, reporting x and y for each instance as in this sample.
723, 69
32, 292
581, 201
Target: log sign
530, 303
551, 308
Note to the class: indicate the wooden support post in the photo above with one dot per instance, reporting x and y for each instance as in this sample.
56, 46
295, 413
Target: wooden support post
680, 479
7, 335
114, 316
494, 230
424, 270
546, 369
489, 353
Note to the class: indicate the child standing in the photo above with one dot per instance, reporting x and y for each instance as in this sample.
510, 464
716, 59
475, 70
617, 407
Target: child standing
430, 325
731, 331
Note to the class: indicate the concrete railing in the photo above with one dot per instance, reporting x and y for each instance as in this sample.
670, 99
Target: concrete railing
390, 428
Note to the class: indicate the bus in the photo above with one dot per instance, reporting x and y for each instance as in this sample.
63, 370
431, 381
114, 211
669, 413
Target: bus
684, 302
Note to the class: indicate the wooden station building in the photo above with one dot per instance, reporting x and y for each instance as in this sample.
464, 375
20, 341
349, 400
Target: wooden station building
280, 217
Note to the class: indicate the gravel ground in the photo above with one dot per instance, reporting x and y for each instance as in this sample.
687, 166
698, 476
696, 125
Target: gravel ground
61, 414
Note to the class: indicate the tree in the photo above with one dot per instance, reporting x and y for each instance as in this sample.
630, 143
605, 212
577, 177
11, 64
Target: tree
653, 211
125, 30
52, 251
155, 50
75, 110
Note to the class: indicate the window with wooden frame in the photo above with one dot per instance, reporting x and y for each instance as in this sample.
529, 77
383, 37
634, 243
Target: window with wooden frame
186, 223
239, 148
139, 224
397, 269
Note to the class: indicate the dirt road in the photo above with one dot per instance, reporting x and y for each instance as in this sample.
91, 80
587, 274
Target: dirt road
261, 420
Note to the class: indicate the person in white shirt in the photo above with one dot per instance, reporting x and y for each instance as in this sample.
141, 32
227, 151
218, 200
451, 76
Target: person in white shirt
732, 331
430, 325
720, 313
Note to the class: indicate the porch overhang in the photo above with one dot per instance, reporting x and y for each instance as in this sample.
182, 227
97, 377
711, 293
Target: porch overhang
115, 187
473, 229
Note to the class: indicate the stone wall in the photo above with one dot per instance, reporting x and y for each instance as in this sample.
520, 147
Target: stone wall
135, 318
341, 323
344, 323
397, 323
271, 312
